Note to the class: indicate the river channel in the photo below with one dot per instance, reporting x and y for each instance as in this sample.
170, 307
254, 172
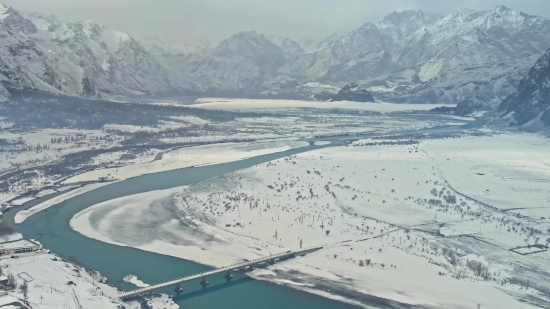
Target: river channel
51, 228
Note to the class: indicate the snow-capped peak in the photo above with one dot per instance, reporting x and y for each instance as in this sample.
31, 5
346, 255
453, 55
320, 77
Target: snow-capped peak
3, 11
501, 8
408, 20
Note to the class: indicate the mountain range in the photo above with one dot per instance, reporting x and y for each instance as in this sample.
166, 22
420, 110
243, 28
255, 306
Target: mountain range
410, 56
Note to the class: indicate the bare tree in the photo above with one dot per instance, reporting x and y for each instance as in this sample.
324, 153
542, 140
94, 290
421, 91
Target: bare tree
24, 288
12, 281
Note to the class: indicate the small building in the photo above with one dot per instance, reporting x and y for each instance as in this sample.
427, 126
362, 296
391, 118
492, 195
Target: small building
18, 246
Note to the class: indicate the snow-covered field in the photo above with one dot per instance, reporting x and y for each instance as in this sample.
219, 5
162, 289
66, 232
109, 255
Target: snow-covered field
252, 104
48, 280
32, 152
27, 158
429, 222
191, 156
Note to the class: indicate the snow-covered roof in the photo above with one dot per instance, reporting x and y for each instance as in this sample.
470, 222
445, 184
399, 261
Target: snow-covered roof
22, 243
11, 237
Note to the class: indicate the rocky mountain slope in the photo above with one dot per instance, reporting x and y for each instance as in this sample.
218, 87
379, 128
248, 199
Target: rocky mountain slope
420, 57
529, 107
353, 92
45, 53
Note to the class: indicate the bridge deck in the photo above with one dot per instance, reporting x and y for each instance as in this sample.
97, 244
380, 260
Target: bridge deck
216, 271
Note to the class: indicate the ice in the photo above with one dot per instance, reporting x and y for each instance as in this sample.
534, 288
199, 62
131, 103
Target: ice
135, 281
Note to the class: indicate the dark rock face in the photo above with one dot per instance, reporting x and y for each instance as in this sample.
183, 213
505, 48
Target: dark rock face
532, 99
476, 104
353, 92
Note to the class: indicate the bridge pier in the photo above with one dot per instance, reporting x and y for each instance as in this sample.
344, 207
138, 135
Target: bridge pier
204, 283
178, 289
228, 276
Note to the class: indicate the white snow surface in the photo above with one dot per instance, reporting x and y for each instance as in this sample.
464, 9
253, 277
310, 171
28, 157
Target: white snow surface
49, 288
252, 104
135, 281
191, 156
52, 276
24, 214
384, 207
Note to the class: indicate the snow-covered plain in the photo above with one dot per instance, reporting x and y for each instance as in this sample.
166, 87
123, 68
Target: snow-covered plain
251, 104
28, 154
409, 222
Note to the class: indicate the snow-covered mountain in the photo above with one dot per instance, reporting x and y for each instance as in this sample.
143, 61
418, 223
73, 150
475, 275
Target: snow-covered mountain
45, 53
416, 56
409, 56
529, 107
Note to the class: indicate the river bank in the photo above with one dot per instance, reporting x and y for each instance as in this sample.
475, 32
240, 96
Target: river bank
371, 204
61, 233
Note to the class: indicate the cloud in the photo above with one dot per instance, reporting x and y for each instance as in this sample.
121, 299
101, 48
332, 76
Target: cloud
184, 20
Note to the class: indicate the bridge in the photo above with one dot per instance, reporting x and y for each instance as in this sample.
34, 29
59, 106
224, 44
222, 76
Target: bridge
268, 259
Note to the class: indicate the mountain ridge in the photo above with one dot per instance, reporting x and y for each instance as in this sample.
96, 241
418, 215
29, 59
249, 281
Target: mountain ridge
409, 56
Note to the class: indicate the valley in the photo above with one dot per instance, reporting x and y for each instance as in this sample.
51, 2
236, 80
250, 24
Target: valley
398, 163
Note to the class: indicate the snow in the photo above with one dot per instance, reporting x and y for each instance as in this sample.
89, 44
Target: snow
3, 10
52, 276
191, 156
251, 104
24, 214
30, 156
49, 289
22, 243
8, 299
430, 70
378, 201
321, 143
45, 192
135, 281
11, 237
21, 201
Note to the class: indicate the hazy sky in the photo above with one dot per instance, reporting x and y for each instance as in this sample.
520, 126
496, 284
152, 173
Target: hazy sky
183, 20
